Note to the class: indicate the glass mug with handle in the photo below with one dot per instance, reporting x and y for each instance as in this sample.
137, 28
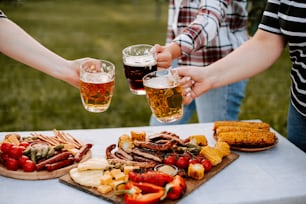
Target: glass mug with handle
138, 60
97, 83
164, 95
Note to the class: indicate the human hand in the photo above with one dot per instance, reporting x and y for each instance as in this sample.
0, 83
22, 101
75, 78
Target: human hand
193, 82
71, 74
164, 57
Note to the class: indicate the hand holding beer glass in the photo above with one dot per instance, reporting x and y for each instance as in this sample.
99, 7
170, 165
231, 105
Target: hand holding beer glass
164, 95
97, 84
138, 60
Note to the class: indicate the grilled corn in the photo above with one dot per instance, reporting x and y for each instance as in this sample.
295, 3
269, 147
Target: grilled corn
199, 140
255, 125
196, 171
212, 154
247, 138
223, 148
125, 142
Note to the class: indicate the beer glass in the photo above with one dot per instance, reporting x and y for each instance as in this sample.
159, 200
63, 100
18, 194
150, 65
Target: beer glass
138, 60
97, 84
164, 95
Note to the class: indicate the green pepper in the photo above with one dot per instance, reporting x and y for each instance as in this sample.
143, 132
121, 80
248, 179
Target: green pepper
141, 193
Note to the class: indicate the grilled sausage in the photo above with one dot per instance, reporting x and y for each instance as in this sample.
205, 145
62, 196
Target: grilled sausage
59, 157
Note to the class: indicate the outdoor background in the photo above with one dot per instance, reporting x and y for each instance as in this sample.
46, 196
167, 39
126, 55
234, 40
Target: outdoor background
30, 100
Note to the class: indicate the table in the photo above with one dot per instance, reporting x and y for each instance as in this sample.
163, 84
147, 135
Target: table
277, 175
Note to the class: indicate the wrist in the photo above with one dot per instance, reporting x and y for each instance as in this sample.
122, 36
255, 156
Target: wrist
174, 49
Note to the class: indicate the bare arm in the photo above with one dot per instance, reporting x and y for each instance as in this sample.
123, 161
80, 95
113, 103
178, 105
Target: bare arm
17, 44
253, 57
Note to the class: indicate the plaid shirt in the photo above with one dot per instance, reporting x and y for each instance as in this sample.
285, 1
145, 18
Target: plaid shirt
206, 30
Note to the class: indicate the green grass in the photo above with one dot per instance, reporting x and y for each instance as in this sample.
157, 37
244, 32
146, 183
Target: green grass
31, 100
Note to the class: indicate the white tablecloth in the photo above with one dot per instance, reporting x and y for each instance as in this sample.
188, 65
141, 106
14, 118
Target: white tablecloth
277, 175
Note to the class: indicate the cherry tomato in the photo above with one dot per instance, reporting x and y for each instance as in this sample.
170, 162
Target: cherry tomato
24, 144
12, 164
16, 151
206, 164
182, 162
29, 166
4, 157
170, 159
6, 146
199, 157
194, 161
22, 160
187, 155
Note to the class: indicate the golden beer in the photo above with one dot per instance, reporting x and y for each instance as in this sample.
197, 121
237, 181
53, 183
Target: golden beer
164, 96
96, 97
97, 83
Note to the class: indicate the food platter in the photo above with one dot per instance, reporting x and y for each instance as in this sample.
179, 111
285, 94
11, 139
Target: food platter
40, 175
191, 183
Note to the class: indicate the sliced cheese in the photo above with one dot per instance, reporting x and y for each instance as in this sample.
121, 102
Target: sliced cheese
94, 164
106, 179
104, 189
90, 178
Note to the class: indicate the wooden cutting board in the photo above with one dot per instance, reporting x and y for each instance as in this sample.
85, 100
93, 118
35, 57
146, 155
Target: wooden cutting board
191, 183
40, 175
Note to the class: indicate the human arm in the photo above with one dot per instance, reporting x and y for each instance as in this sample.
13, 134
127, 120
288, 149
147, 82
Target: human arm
253, 57
20, 46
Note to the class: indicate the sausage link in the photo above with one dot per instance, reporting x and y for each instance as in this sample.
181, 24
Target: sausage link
59, 157
83, 151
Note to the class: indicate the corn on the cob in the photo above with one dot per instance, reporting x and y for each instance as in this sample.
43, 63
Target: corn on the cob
200, 140
223, 148
249, 138
212, 154
256, 125
237, 128
138, 135
125, 142
196, 171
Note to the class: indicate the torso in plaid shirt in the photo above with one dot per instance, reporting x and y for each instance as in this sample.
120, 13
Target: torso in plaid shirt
206, 30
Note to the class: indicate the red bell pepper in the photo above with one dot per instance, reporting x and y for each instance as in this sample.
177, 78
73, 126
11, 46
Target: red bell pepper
141, 193
176, 188
153, 177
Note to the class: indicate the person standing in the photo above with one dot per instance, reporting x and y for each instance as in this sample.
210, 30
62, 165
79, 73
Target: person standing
201, 32
283, 24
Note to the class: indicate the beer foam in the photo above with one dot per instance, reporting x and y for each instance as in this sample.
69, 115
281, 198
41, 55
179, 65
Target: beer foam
94, 78
140, 61
160, 83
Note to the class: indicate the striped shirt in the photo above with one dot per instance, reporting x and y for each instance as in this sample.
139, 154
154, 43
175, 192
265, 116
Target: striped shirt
206, 30
288, 18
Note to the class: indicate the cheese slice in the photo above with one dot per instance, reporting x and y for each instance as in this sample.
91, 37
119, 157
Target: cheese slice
94, 164
90, 178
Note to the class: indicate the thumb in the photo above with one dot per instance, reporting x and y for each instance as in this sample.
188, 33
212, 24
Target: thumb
158, 48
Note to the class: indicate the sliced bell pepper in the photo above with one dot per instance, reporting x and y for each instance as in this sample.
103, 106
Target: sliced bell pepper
176, 188
141, 193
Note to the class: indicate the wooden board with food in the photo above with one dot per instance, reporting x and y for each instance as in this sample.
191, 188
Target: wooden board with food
160, 167
38, 157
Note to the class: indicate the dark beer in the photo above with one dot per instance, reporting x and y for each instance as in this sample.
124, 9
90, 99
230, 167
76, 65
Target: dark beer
134, 72
138, 60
